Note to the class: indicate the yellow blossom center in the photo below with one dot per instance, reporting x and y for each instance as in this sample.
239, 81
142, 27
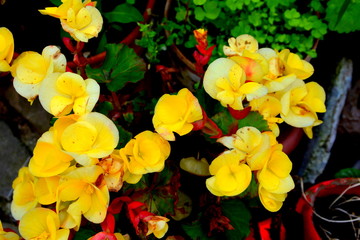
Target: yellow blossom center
78, 137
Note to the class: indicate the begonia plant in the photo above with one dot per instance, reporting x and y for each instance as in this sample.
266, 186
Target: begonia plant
172, 166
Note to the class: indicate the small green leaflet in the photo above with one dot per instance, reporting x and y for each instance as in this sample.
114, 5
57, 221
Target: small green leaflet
124, 13
254, 119
121, 66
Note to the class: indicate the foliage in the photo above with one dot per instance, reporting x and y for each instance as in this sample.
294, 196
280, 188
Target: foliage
128, 67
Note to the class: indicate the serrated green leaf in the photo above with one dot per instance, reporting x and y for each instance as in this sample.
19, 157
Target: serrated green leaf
254, 119
348, 172
225, 121
239, 216
124, 13
121, 66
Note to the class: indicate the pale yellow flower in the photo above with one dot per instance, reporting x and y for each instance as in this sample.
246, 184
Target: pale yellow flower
275, 175
275, 79
48, 160
42, 223
231, 175
6, 49
81, 19
225, 80
86, 138
238, 45
79, 193
30, 69
271, 201
157, 225
24, 197
293, 64
252, 143
114, 168
176, 113
146, 153
7, 235
269, 107
62, 92
301, 103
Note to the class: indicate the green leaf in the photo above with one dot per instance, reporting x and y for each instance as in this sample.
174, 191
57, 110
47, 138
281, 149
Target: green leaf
343, 19
121, 66
199, 14
104, 107
84, 233
212, 10
252, 190
254, 119
196, 231
56, 2
239, 216
124, 13
255, 19
225, 121
125, 136
199, 2
348, 172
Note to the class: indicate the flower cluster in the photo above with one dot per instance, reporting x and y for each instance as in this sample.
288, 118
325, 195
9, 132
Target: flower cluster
74, 164
271, 82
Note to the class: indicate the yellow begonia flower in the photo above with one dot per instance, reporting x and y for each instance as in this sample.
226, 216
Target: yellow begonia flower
292, 63
241, 43
30, 69
275, 175
86, 138
301, 103
114, 168
269, 107
6, 49
146, 153
176, 113
252, 143
62, 92
275, 79
157, 225
42, 223
24, 197
48, 160
81, 19
224, 80
231, 175
46, 188
7, 235
271, 201
82, 195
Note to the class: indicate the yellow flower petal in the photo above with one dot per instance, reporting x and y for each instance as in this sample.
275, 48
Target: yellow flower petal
79, 137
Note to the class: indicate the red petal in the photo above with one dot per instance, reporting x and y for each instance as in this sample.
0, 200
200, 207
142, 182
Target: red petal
239, 114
